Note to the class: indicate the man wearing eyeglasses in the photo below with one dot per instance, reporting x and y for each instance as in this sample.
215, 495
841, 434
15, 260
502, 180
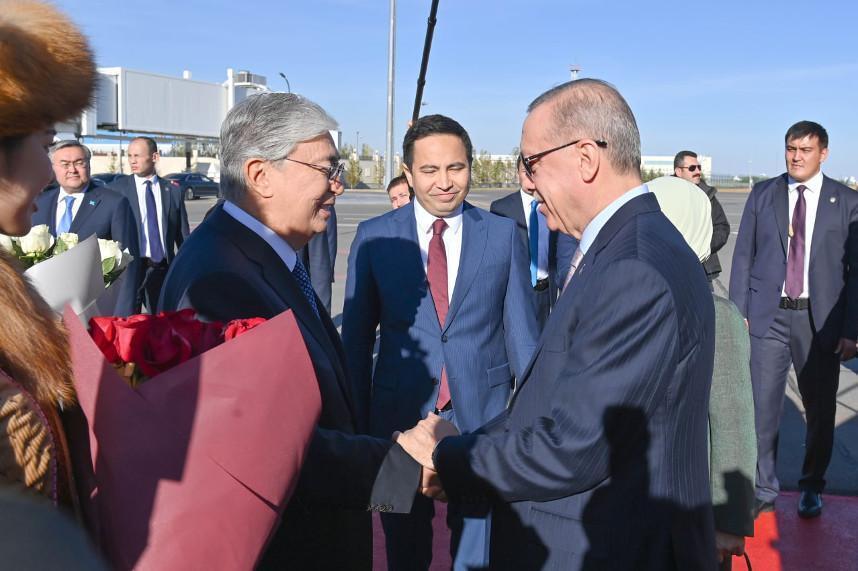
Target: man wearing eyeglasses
686, 165
280, 176
447, 284
600, 461
79, 205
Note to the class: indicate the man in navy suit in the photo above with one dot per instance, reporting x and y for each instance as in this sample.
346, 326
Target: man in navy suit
453, 346
545, 247
159, 210
81, 206
601, 459
795, 279
280, 177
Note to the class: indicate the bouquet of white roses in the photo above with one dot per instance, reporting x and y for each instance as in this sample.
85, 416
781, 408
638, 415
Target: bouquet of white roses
113, 259
38, 245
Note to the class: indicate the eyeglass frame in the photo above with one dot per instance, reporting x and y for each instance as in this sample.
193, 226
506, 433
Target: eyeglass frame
528, 161
78, 164
332, 172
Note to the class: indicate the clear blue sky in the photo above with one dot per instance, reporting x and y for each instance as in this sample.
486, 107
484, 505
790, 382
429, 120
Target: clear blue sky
723, 78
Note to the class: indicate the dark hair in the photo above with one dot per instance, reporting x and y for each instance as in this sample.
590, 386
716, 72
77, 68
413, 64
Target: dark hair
399, 180
150, 142
9, 145
804, 129
434, 125
679, 159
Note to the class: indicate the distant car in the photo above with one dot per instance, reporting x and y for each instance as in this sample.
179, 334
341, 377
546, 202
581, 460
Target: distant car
194, 184
106, 177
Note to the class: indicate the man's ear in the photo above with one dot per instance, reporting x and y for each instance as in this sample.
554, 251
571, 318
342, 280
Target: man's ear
408, 176
257, 177
590, 160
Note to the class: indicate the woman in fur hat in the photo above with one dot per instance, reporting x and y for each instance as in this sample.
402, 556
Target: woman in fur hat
47, 75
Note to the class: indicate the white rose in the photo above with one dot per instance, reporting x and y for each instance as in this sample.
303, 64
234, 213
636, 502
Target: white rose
38, 241
70, 239
6, 243
109, 249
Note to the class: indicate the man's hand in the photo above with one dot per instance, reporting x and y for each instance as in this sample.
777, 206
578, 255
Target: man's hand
846, 348
421, 440
430, 485
728, 544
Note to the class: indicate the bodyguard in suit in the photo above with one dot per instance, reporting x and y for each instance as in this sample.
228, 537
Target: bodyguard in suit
542, 244
159, 210
81, 206
319, 257
280, 176
447, 283
795, 279
600, 461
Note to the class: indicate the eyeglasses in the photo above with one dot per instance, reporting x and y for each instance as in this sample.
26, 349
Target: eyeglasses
78, 164
528, 162
333, 172
693, 168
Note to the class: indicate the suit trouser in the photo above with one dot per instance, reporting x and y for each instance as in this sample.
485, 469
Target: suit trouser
408, 537
790, 339
150, 289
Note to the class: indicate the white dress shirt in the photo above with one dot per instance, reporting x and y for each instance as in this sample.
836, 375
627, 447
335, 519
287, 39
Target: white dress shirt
61, 204
145, 251
452, 241
542, 258
811, 201
280, 246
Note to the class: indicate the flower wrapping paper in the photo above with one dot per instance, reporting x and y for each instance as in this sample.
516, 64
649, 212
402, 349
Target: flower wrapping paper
192, 469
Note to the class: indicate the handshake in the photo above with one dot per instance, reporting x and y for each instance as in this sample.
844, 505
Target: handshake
420, 442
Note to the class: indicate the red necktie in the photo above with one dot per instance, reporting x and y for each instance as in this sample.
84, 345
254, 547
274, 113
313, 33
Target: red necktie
436, 272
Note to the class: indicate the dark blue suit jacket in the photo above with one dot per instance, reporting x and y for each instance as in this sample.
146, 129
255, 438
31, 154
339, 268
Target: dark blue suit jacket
487, 339
108, 215
175, 230
561, 247
601, 459
759, 260
225, 272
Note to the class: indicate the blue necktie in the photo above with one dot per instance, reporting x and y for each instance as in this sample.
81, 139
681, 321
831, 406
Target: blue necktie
299, 272
66, 221
153, 232
534, 242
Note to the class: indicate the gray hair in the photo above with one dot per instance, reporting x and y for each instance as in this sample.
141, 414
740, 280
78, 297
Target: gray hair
67, 144
594, 108
266, 126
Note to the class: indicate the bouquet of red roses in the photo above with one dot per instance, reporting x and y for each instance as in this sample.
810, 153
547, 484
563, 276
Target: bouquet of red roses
192, 468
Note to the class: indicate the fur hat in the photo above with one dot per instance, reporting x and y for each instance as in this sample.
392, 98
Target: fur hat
47, 72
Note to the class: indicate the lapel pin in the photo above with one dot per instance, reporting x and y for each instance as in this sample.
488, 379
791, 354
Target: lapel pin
832, 200
92, 203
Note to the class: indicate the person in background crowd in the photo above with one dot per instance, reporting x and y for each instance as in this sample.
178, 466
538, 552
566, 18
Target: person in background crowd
399, 192
686, 165
807, 319
81, 206
159, 210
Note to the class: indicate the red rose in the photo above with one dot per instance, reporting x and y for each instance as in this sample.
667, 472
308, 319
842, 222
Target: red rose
103, 333
131, 336
201, 335
238, 326
163, 347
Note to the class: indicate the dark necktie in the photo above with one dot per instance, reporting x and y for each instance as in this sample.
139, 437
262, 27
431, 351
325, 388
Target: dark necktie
299, 272
534, 242
795, 259
436, 272
153, 232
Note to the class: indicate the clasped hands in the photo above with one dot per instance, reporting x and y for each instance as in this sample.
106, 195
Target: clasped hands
419, 442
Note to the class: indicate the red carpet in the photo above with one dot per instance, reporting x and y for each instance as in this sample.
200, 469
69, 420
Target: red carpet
783, 541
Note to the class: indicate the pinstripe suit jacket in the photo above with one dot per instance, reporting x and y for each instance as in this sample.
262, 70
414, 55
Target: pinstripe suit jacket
489, 334
601, 459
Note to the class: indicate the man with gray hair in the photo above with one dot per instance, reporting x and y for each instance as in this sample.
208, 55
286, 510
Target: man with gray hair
78, 204
280, 176
600, 460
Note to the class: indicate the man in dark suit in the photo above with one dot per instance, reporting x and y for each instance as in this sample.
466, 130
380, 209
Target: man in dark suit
159, 209
601, 459
280, 176
686, 165
795, 279
456, 327
319, 257
545, 247
81, 206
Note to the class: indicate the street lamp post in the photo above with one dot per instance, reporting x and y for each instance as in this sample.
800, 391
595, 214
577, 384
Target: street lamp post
357, 139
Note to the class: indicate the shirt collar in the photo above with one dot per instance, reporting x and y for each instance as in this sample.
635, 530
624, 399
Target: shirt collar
596, 224
425, 220
139, 180
813, 184
64, 192
277, 243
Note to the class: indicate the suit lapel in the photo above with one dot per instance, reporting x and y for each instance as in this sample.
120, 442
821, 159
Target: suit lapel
130, 192
781, 206
471, 260
827, 213
90, 199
